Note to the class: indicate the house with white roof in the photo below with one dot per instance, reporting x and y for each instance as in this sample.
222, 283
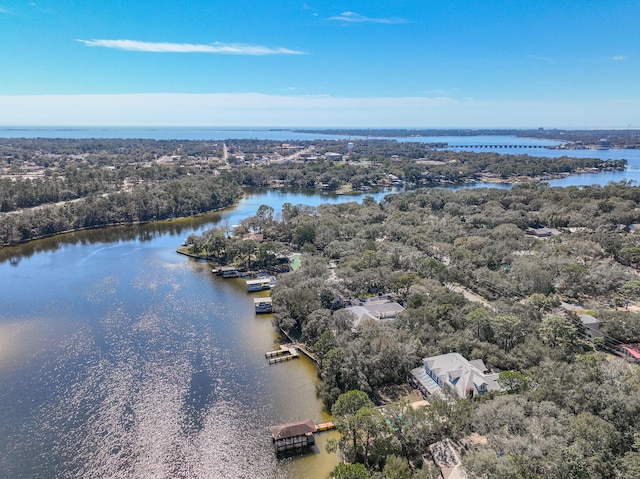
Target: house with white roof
375, 309
452, 371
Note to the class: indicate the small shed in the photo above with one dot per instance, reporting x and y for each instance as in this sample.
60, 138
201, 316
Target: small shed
542, 232
591, 325
293, 436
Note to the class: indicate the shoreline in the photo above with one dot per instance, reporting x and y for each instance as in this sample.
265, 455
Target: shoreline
114, 225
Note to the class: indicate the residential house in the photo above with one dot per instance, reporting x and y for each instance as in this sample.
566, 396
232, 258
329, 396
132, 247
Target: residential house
447, 459
376, 309
452, 371
543, 232
333, 156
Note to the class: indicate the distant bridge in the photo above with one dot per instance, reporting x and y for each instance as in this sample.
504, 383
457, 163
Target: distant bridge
497, 146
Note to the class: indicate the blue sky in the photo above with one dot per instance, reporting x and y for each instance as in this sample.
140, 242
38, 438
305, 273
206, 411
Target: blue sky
420, 63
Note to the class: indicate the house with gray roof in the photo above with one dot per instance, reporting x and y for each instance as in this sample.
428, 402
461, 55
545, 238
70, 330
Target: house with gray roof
452, 371
543, 232
591, 325
447, 459
374, 309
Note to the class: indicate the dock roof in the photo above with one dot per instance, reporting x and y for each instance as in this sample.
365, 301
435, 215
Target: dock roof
293, 429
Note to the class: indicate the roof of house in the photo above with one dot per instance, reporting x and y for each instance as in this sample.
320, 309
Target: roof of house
633, 349
588, 320
253, 236
375, 310
462, 374
543, 232
446, 458
293, 429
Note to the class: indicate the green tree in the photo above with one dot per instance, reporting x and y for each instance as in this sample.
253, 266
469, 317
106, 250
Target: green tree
631, 290
403, 283
365, 433
507, 331
397, 467
344, 414
558, 331
351, 471
513, 381
305, 233
479, 321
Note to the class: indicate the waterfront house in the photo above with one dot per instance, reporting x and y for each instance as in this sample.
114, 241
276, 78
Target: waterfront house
452, 371
293, 436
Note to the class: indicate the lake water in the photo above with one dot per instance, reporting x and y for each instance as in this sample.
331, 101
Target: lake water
121, 358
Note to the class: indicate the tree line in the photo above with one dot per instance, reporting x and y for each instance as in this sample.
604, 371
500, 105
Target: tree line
169, 199
413, 245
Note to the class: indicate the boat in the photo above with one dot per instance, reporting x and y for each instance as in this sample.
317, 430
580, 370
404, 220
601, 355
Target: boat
260, 284
263, 305
228, 271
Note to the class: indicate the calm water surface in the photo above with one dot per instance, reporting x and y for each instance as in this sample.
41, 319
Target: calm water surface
120, 358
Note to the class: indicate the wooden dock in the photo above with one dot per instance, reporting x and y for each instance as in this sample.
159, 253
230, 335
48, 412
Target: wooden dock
325, 426
285, 353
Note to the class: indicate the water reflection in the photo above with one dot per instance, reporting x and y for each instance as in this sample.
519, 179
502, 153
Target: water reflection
141, 364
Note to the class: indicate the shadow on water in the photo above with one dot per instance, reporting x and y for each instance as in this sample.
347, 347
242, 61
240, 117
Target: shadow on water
111, 234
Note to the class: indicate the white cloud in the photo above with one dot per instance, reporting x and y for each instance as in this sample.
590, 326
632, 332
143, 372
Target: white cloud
352, 17
618, 58
162, 47
6, 11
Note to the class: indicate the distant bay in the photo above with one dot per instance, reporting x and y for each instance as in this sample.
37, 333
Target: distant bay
493, 143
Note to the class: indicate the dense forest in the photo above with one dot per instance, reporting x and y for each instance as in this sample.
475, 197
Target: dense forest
570, 408
431, 169
48, 186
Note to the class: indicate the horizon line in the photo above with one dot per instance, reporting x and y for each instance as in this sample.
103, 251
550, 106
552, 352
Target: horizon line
293, 128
